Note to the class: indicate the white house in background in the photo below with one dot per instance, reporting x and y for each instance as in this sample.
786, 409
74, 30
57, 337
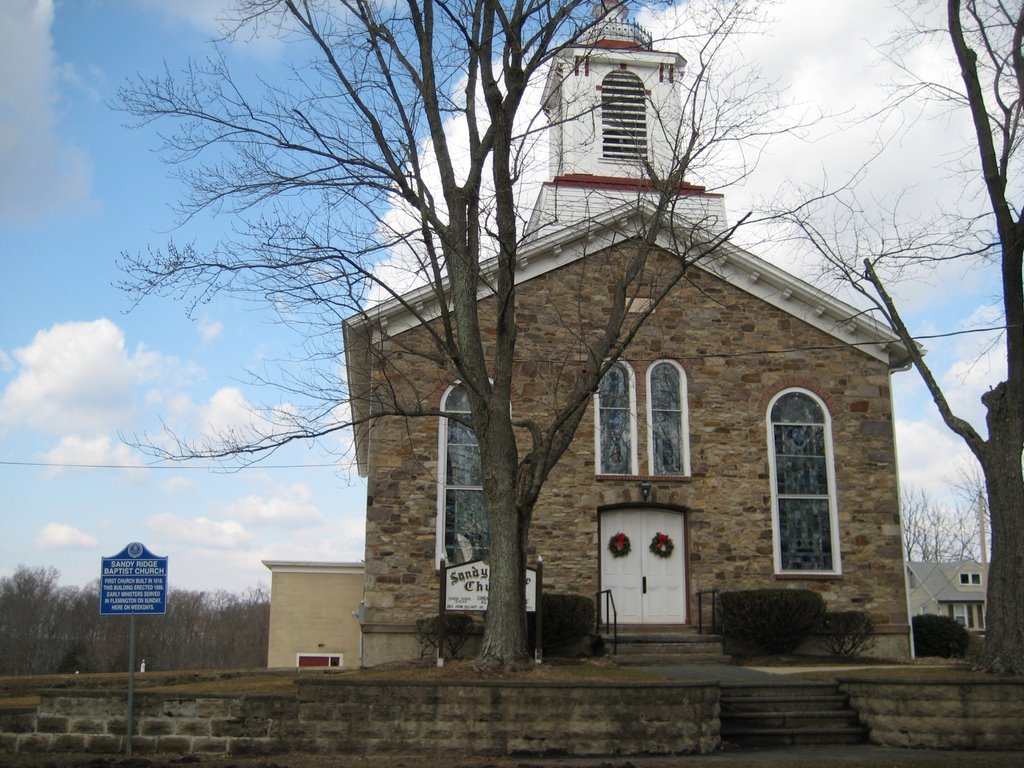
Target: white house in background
953, 589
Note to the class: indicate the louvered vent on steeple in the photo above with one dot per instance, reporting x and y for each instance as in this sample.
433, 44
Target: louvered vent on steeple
623, 117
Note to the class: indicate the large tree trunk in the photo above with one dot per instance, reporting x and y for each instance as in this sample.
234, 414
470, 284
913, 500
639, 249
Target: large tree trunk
1004, 480
504, 643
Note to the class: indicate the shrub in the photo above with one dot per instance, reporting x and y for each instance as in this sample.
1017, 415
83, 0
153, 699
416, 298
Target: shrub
940, 636
457, 628
566, 620
846, 633
777, 620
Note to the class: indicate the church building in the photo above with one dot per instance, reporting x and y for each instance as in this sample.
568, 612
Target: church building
743, 440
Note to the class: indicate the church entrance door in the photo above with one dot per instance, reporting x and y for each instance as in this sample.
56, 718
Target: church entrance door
647, 588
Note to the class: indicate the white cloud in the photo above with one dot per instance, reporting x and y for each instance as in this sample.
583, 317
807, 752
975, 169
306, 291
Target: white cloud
96, 451
228, 412
290, 506
60, 536
217, 18
200, 531
929, 456
176, 484
210, 329
41, 171
78, 377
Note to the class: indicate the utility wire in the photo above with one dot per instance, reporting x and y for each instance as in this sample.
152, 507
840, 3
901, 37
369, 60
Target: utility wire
219, 469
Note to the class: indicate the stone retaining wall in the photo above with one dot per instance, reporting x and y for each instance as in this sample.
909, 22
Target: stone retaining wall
373, 717
943, 715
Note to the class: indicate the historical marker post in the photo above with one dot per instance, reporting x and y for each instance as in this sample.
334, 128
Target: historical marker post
133, 582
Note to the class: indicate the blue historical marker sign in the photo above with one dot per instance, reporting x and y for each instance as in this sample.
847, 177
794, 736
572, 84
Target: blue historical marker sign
134, 581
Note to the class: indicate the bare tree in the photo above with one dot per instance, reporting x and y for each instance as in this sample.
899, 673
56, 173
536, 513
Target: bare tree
32, 616
985, 38
349, 181
46, 628
935, 533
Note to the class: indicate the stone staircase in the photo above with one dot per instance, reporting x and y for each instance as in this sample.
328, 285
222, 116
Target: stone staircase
665, 647
776, 714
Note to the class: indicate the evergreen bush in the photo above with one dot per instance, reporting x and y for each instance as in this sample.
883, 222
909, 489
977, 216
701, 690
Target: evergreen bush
940, 636
847, 633
566, 620
777, 620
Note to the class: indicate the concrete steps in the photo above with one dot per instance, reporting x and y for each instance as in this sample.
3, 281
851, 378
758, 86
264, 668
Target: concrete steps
778, 714
666, 649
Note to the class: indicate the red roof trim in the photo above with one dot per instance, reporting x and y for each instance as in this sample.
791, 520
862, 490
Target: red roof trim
618, 44
619, 183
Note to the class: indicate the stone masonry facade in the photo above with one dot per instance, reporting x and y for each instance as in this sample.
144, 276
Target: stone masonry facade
737, 352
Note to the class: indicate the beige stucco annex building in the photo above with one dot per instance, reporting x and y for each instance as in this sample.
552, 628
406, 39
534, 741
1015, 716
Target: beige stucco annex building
749, 423
313, 607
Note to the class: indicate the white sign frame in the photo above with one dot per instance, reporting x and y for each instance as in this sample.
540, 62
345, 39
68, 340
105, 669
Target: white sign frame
466, 586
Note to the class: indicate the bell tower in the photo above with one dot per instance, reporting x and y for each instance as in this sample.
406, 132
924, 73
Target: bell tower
615, 110
613, 103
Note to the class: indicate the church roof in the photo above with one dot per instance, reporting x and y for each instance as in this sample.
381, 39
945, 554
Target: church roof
558, 245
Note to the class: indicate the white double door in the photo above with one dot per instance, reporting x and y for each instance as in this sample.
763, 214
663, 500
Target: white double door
647, 588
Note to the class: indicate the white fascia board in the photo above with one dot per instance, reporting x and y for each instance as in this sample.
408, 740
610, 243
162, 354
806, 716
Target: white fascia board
736, 266
298, 566
833, 316
569, 243
731, 263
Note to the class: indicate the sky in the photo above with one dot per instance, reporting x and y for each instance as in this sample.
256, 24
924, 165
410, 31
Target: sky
82, 371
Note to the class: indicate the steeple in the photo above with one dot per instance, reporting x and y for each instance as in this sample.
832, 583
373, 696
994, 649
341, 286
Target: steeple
613, 28
615, 108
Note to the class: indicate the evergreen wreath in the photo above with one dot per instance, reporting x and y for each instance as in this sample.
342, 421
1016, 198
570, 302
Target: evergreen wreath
661, 545
619, 545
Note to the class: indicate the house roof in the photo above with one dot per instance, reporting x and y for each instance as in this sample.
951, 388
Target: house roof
557, 245
942, 580
302, 566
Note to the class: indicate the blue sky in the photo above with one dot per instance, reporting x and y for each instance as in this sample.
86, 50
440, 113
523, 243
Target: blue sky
78, 371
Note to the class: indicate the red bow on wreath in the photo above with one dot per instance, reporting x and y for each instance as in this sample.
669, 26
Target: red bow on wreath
619, 545
661, 545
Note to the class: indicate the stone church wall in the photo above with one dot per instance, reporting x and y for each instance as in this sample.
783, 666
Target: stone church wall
737, 352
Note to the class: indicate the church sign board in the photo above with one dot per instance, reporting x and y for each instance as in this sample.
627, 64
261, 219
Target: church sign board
133, 582
466, 587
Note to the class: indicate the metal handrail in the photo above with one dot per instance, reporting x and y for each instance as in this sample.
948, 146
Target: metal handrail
629, 31
610, 613
700, 610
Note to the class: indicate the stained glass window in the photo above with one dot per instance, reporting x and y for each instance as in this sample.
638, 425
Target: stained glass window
615, 422
666, 397
465, 534
804, 505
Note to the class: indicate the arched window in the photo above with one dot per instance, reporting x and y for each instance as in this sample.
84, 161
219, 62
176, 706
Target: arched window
667, 429
462, 519
615, 415
623, 116
805, 525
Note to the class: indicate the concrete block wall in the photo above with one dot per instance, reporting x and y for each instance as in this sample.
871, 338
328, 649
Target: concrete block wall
336, 717
941, 715
502, 718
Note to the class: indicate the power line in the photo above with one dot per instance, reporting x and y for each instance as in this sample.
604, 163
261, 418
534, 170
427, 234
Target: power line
221, 469
215, 468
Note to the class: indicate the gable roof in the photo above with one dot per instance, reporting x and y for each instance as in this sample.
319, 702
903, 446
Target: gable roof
941, 580
557, 245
